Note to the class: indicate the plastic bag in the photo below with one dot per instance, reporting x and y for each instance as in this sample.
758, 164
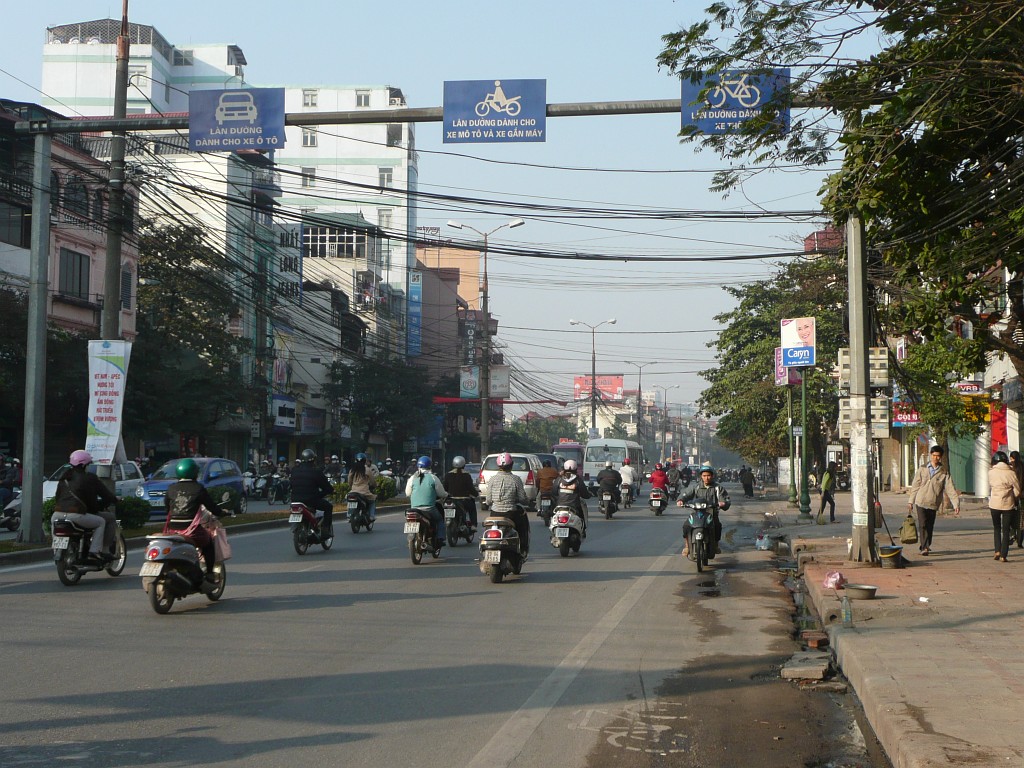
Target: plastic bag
220, 545
762, 542
833, 580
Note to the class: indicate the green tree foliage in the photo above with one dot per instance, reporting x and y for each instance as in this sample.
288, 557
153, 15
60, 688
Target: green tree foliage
932, 156
538, 435
742, 393
185, 370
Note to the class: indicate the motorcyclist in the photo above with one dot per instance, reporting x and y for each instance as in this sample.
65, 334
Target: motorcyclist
686, 475
361, 479
674, 477
459, 483
570, 491
333, 468
8, 481
609, 479
628, 475
424, 490
311, 487
659, 478
546, 477
182, 502
506, 497
717, 499
81, 498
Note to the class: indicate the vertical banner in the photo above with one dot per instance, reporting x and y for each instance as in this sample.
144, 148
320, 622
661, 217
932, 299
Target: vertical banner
414, 338
108, 372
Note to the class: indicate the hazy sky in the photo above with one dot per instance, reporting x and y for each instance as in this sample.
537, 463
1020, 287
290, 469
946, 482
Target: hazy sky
587, 51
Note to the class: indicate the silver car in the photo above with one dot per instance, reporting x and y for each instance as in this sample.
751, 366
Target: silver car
525, 466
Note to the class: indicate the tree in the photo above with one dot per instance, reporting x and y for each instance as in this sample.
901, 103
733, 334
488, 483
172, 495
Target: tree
542, 433
185, 370
933, 156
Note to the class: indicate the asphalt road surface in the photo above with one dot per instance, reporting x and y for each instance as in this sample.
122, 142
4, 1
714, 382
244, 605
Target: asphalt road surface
622, 655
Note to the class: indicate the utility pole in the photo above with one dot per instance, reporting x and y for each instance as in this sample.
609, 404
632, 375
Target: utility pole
639, 397
110, 320
593, 365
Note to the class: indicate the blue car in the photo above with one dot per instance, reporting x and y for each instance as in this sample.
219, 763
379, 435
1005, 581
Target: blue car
221, 477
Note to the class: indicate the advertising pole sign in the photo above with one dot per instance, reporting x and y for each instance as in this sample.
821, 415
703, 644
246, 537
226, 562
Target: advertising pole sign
469, 382
784, 375
415, 314
108, 370
798, 340
495, 111
244, 118
734, 98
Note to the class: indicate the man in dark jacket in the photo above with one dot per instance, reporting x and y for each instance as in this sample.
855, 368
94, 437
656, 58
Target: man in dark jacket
717, 498
182, 503
311, 487
609, 479
460, 487
82, 498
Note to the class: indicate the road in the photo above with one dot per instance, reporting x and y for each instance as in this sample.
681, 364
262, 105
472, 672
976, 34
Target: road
357, 657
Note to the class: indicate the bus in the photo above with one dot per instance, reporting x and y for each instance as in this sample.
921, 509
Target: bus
566, 451
600, 451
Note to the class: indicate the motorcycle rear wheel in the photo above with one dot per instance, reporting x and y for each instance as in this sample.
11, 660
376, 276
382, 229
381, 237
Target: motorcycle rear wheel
300, 539
327, 542
68, 574
495, 574
414, 550
354, 524
452, 534
159, 598
563, 547
120, 556
215, 595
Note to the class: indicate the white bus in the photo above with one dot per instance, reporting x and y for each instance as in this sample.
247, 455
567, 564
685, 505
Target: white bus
600, 451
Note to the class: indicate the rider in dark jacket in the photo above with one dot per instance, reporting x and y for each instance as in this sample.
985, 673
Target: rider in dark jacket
459, 484
569, 490
609, 479
182, 503
311, 487
717, 498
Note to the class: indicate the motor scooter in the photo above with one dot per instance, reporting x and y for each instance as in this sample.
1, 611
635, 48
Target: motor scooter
656, 500
544, 505
10, 518
501, 549
566, 530
174, 568
308, 528
280, 489
701, 541
71, 544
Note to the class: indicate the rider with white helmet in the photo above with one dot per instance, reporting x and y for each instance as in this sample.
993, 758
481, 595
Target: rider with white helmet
569, 490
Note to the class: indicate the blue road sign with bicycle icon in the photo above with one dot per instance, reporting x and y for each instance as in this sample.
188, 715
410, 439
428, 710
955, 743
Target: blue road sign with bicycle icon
495, 111
733, 97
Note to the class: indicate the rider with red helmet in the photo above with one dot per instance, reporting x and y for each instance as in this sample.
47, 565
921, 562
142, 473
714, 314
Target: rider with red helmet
659, 477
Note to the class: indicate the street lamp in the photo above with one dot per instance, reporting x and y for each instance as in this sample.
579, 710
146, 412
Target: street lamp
664, 420
485, 364
593, 365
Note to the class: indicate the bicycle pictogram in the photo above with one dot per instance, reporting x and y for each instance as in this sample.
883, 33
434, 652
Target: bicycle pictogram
738, 88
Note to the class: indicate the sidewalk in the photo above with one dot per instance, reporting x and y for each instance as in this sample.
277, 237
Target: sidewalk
936, 658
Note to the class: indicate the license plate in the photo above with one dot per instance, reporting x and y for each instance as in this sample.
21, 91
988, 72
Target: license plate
151, 569
545, 503
561, 533
295, 517
449, 514
606, 497
61, 542
353, 507
412, 527
492, 555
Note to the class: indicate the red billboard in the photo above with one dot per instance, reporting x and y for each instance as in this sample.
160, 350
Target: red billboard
608, 387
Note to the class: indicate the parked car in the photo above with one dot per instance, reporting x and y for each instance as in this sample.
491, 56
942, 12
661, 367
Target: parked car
525, 465
222, 478
126, 475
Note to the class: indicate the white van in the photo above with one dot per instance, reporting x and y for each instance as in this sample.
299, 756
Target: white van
600, 451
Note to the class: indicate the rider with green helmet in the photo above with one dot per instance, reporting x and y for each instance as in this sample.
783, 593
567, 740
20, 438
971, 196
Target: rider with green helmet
182, 502
717, 498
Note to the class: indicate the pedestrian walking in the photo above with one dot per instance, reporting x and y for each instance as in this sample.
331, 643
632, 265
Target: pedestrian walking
828, 486
931, 483
1004, 492
746, 479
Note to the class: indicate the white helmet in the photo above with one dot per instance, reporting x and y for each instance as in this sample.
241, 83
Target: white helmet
569, 466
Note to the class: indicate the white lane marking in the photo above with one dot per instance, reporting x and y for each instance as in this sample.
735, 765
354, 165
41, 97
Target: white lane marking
505, 746
311, 568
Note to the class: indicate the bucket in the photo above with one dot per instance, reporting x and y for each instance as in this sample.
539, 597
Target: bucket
892, 557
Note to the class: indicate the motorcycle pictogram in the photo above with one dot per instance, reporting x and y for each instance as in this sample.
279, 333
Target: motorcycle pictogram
499, 102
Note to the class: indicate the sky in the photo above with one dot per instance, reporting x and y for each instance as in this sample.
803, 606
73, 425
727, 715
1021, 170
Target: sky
586, 51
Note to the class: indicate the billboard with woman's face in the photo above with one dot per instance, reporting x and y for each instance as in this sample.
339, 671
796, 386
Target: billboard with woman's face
798, 341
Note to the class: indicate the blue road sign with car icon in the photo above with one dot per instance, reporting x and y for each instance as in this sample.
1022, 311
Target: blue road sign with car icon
232, 120
236, 105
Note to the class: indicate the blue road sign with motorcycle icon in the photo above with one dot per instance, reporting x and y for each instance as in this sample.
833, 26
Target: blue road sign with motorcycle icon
735, 96
242, 118
495, 111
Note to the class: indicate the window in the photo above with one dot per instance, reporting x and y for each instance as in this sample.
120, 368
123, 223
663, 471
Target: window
385, 177
309, 137
394, 134
334, 243
363, 99
126, 287
74, 274
309, 97
76, 198
183, 58
309, 177
384, 216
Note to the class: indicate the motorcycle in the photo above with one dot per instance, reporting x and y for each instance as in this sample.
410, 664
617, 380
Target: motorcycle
607, 503
261, 485
308, 528
421, 535
657, 501
627, 495
566, 530
544, 506
456, 519
501, 551
71, 552
673, 491
358, 513
173, 569
11, 516
701, 543
280, 489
